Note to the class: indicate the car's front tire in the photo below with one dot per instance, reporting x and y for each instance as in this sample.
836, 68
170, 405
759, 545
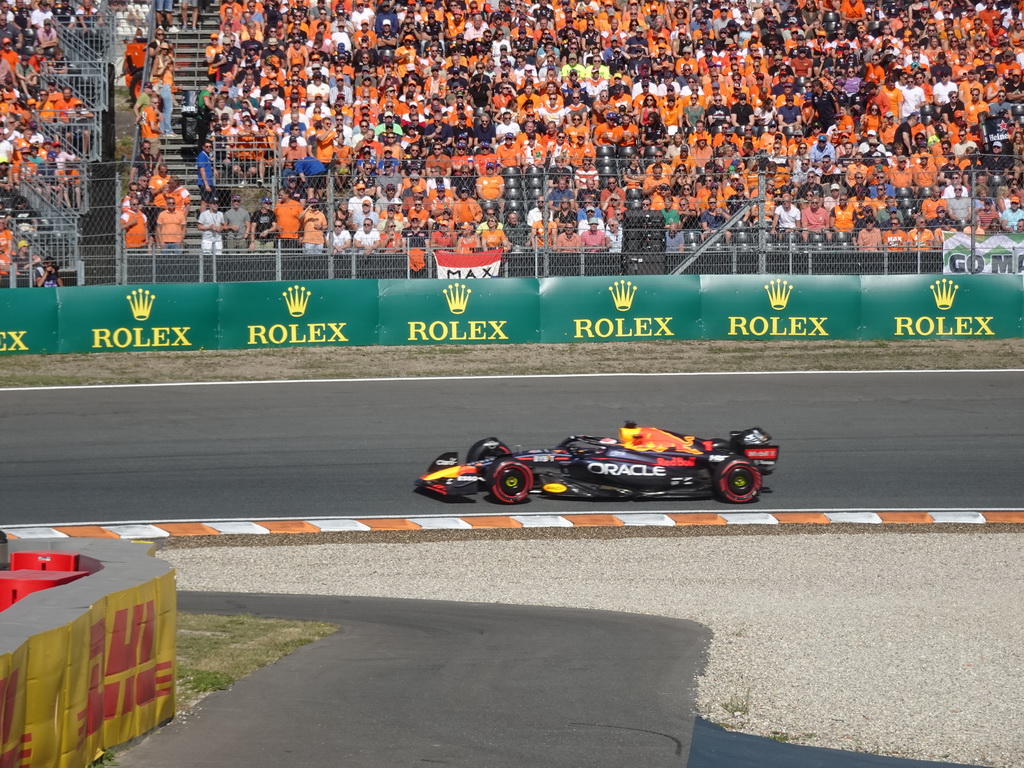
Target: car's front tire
509, 481
737, 481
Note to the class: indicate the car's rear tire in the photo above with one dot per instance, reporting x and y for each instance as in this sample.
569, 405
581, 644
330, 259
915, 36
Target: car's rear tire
509, 481
737, 481
488, 448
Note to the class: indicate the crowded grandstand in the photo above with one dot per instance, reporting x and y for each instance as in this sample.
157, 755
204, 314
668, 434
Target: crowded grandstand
578, 137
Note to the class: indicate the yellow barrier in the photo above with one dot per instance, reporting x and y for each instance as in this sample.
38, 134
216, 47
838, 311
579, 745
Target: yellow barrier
69, 693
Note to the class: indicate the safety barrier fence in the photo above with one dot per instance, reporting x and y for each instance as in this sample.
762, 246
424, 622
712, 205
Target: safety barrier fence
647, 221
88, 665
524, 310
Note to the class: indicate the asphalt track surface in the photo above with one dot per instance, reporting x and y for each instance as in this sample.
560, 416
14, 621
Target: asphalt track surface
945, 440
418, 682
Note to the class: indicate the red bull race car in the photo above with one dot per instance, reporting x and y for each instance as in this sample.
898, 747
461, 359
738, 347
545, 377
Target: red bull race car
643, 462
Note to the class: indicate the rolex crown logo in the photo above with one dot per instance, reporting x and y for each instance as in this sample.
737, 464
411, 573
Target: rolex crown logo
296, 298
141, 302
457, 296
778, 293
622, 292
944, 291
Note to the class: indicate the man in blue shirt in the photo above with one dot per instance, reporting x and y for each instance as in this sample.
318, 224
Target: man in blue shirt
821, 149
312, 174
1012, 215
206, 174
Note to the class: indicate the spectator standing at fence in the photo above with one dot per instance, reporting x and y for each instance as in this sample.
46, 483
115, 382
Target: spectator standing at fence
237, 225
134, 226
264, 227
170, 228
314, 227
206, 174
287, 213
48, 275
211, 224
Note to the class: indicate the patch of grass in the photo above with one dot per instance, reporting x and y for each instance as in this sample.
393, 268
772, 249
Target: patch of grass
779, 736
482, 360
737, 705
107, 760
216, 651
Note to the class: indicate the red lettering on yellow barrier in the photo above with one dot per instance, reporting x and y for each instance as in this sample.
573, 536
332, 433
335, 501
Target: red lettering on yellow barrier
132, 645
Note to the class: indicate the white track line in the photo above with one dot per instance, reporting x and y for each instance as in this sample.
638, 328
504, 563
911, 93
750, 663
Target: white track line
66, 387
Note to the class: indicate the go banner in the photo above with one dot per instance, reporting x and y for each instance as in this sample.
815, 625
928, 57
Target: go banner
314, 313
619, 309
138, 318
789, 307
497, 311
28, 322
916, 306
990, 255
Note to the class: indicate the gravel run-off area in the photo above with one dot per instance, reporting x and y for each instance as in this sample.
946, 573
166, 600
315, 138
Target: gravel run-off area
908, 645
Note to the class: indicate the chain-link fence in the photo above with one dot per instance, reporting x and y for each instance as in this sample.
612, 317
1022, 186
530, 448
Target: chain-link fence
286, 221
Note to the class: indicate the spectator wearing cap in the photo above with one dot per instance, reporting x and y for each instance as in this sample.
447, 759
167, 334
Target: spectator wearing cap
313, 222
821, 149
263, 229
237, 225
490, 186
1012, 215
211, 225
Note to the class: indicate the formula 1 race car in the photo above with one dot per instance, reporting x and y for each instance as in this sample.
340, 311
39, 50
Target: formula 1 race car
644, 462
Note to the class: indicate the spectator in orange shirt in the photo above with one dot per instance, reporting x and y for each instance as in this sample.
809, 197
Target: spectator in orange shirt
170, 228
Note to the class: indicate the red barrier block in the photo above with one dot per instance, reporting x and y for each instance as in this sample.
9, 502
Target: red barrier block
44, 561
14, 585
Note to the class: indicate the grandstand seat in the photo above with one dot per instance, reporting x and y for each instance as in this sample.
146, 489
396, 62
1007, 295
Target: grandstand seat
789, 131
816, 238
844, 238
799, 84
831, 17
535, 184
607, 165
1017, 110
511, 171
627, 151
634, 193
634, 204
602, 263
714, 130
515, 205
692, 238
904, 193
873, 27
534, 172
513, 186
605, 150
996, 180
928, 110
650, 152
759, 131
742, 237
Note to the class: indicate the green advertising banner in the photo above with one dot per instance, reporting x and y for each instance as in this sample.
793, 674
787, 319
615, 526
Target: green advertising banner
788, 307
138, 318
491, 311
925, 306
584, 309
28, 321
308, 314
508, 311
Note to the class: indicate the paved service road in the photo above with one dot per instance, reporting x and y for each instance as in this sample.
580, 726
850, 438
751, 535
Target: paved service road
907, 440
414, 682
